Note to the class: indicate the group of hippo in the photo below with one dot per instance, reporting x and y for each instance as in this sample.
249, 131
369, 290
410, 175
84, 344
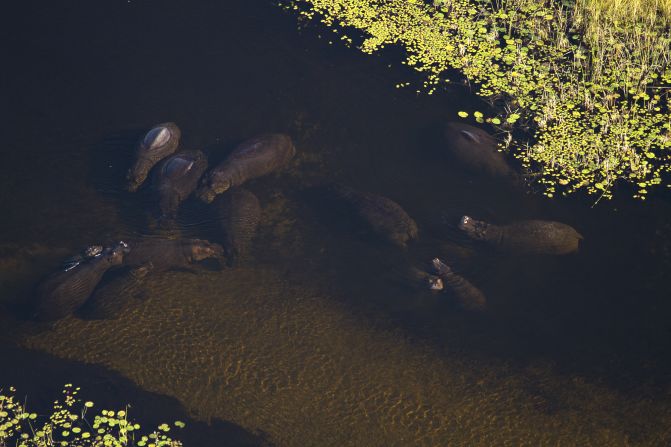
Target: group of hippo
176, 174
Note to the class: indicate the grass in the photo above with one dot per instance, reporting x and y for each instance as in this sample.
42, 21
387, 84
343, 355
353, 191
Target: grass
68, 425
580, 89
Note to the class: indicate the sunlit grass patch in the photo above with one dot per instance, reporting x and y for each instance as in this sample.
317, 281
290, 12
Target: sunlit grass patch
583, 86
70, 425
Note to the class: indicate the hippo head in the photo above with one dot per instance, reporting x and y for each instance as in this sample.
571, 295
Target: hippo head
440, 267
475, 229
202, 249
434, 283
116, 253
211, 187
93, 251
157, 144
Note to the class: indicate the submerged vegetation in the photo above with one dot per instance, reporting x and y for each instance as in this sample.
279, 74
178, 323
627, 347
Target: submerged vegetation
69, 425
580, 89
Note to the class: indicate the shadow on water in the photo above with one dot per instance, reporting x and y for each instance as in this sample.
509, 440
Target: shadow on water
88, 81
109, 390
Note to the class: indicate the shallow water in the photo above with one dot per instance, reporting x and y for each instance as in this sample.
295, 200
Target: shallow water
317, 339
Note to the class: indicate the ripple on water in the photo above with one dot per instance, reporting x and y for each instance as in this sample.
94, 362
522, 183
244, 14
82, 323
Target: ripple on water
247, 346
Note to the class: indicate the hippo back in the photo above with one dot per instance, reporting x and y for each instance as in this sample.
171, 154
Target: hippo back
477, 150
540, 237
177, 177
64, 292
182, 168
383, 215
162, 254
251, 159
274, 150
240, 213
258, 156
158, 143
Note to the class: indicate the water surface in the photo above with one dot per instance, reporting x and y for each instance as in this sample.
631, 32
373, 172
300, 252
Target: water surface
317, 340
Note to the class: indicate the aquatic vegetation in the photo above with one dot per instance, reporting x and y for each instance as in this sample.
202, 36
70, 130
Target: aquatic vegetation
579, 89
68, 425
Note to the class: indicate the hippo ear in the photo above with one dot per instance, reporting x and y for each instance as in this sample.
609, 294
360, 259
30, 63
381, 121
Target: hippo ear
470, 136
156, 137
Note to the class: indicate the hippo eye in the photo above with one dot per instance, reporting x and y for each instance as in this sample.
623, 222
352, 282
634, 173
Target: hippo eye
156, 137
470, 136
177, 167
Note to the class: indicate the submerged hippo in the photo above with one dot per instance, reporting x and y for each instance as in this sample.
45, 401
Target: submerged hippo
240, 212
526, 236
251, 159
468, 296
384, 216
64, 292
176, 178
147, 256
110, 299
161, 140
158, 254
477, 150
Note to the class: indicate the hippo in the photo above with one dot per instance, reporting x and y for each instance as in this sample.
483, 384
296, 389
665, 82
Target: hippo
158, 254
161, 141
240, 212
251, 159
64, 292
476, 149
526, 236
384, 216
176, 178
468, 296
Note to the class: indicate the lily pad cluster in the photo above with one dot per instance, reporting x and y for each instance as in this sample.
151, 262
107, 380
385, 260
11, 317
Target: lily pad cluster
580, 89
70, 425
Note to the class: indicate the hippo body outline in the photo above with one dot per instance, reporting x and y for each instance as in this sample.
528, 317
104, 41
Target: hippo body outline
526, 236
253, 158
383, 216
477, 150
62, 293
176, 177
150, 151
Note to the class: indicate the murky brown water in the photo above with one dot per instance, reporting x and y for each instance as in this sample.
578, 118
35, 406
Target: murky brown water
317, 339
250, 347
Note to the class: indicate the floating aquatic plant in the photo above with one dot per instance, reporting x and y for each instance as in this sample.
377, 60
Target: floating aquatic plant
580, 88
70, 425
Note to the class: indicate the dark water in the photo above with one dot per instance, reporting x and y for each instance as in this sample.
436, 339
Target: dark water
317, 340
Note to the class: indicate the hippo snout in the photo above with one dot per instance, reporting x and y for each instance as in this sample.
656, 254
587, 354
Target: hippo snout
435, 283
465, 222
205, 194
